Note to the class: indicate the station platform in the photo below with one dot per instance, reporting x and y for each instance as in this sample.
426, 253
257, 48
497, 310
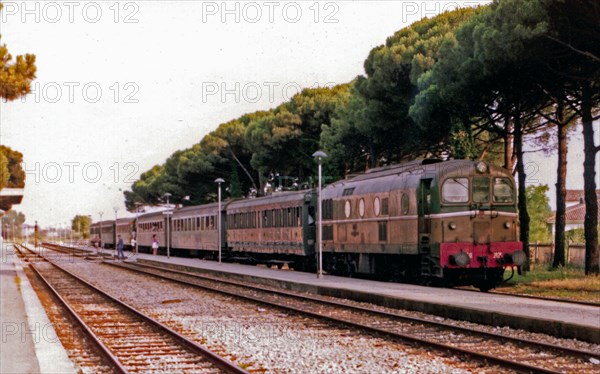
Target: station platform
29, 342
560, 319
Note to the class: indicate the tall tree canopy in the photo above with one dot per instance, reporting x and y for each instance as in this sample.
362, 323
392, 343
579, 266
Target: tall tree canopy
81, 224
12, 174
244, 152
377, 114
15, 75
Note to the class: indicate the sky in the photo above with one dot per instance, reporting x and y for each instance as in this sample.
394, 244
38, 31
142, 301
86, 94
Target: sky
122, 85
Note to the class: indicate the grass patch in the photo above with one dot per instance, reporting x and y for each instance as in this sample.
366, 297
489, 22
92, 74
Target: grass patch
564, 282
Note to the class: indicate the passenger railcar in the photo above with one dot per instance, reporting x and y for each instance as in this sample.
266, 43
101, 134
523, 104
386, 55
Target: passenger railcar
150, 225
194, 229
279, 227
126, 228
103, 232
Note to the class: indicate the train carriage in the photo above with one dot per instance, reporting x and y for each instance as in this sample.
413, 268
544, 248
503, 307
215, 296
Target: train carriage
195, 229
150, 225
103, 232
126, 228
276, 227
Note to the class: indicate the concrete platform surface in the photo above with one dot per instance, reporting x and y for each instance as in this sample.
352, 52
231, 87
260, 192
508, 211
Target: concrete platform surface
29, 342
550, 317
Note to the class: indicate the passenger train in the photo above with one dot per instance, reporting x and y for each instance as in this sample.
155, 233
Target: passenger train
429, 221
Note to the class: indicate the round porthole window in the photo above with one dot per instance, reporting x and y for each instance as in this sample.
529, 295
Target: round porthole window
377, 206
347, 209
361, 207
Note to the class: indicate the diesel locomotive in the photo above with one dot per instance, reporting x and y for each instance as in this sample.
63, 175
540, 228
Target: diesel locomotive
429, 221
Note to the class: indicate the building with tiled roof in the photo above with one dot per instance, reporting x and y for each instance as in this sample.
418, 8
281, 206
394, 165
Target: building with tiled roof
575, 212
575, 197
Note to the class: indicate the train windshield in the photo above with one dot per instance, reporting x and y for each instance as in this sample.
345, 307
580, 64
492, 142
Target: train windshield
456, 190
503, 190
481, 190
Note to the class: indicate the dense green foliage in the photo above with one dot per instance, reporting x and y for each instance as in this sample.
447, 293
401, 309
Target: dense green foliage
81, 225
244, 152
15, 81
12, 174
11, 223
471, 83
539, 210
15, 76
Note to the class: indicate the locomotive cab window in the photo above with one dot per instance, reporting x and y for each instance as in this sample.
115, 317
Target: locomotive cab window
481, 190
456, 190
503, 190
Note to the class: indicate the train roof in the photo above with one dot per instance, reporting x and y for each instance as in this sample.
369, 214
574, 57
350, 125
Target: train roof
104, 223
277, 197
403, 176
125, 220
198, 209
151, 215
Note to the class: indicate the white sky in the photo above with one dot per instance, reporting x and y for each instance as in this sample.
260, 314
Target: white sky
162, 68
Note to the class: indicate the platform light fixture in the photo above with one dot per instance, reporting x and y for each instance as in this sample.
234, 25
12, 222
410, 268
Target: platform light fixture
219, 181
319, 156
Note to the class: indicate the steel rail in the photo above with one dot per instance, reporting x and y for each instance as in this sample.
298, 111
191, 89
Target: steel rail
521, 367
219, 361
577, 352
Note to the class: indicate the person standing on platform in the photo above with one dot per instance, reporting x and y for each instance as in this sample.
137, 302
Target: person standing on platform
120, 248
133, 245
154, 245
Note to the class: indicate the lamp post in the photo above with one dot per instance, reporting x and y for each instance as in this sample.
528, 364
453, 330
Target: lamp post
319, 156
116, 209
137, 218
100, 233
35, 234
219, 181
168, 231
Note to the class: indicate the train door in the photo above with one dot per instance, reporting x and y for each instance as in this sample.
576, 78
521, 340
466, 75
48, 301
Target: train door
424, 227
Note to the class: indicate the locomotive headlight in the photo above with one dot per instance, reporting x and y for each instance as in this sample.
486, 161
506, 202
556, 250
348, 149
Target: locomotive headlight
481, 167
507, 225
460, 259
452, 226
519, 258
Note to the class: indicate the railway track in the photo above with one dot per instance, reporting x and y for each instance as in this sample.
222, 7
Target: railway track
532, 297
90, 253
132, 341
508, 352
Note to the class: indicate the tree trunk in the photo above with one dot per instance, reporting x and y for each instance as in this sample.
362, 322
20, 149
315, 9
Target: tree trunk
508, 144
523, 214
589, 184
561, 189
